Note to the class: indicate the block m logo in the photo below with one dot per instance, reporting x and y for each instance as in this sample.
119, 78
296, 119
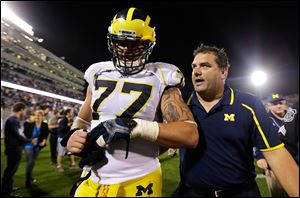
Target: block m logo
141, 190
229, 117
275, 96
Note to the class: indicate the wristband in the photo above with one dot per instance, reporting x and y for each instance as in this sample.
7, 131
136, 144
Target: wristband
147, 130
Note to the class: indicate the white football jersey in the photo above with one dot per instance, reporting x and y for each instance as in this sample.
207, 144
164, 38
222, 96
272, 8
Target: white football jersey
134, 96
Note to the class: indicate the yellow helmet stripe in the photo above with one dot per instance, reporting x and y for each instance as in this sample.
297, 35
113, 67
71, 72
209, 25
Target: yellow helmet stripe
129, 14
147, 21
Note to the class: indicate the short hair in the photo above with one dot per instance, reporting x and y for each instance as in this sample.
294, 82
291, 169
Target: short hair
18, 107
67, 111
221, 56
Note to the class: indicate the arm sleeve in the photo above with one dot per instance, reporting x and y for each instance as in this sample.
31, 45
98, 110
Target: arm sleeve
89, 74
15, 131
258, 154
265, 134
45, 131
62, 127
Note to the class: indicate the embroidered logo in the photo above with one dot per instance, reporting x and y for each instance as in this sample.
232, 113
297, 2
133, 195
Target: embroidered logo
290, 114
229, 117
142, 190
275, 96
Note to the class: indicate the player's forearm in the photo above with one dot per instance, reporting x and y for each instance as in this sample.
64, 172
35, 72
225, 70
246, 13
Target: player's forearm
83, 120
178, 134
174, 134
81, 124
285, 169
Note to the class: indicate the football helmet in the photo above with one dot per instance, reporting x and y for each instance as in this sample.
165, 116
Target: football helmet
131, 39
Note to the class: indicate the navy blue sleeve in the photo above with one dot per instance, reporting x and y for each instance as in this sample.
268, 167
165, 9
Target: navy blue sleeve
258, 154
265, 134
15, 131
62, 127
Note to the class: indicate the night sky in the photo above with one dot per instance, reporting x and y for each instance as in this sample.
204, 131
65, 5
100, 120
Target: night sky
255, 34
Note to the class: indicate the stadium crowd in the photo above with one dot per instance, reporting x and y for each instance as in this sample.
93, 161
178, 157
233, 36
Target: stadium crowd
16, 77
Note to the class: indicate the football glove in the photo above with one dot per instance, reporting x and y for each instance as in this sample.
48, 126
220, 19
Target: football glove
113, 130
91, 154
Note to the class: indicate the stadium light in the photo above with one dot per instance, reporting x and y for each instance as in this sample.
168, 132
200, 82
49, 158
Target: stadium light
9, 15
258, 78
36, 91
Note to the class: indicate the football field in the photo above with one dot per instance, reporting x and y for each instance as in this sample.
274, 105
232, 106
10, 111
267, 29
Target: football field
54, 184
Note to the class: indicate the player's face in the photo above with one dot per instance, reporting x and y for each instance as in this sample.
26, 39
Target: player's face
278, 108
207, 76
129, 51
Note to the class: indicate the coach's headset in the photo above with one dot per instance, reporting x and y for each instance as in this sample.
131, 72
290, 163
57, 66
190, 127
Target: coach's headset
131, 39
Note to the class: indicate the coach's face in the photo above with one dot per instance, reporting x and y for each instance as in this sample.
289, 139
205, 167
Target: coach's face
207, 76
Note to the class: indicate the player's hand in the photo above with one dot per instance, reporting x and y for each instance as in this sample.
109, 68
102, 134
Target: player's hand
262, 163
77, 141
91, 153
113, 130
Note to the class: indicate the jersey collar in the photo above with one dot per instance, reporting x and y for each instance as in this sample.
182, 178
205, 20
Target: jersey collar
227, 98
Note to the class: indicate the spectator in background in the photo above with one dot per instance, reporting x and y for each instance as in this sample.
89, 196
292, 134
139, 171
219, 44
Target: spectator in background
34, 130
64, 126
14, 144
277, 108
48, 113
229, 122
289, 132
53, 126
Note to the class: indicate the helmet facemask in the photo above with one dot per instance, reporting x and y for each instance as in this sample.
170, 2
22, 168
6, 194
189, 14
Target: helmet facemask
129, 55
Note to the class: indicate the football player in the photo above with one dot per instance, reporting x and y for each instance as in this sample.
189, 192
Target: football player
145, 94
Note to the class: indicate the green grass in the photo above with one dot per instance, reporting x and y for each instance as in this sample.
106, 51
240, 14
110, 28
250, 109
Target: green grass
49, 182
53, 184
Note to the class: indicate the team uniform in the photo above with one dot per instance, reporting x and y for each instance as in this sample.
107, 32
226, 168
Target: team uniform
273, 184
226, 146
277, 124
134, 96
290, 131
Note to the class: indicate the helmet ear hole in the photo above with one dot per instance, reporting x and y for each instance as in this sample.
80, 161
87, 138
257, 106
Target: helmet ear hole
130, 40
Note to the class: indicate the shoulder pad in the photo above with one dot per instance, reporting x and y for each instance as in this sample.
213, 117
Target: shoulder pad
96, 68
170, 74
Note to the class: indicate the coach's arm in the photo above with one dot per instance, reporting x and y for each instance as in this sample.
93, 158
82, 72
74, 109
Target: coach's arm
285, 169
